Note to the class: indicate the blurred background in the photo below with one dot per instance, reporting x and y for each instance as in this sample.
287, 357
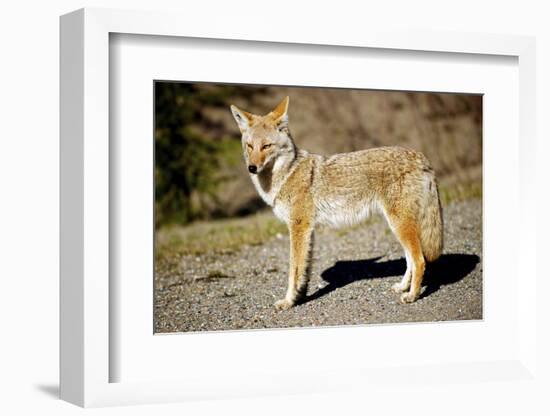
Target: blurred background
199, 169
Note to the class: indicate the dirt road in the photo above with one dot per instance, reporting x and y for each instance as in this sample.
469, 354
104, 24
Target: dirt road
352, 273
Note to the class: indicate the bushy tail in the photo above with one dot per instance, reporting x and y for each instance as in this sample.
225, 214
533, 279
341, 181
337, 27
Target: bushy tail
431, 221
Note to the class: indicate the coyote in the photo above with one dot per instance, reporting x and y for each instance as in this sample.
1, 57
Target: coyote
306, 189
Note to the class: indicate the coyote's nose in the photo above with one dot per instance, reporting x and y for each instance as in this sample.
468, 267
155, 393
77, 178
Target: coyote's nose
252, 168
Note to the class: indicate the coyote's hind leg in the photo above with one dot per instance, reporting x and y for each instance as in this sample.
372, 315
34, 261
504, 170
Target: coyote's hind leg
406, 231
405, 282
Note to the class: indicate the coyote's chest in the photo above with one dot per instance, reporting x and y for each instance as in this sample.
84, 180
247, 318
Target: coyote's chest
269, 196
281, 211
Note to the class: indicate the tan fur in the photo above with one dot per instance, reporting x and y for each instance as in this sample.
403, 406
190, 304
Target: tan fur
306, 189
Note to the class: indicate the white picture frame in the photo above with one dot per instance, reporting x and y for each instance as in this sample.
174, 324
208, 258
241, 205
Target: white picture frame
86, 357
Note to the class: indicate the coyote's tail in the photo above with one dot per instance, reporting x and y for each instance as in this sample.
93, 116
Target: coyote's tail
431, 221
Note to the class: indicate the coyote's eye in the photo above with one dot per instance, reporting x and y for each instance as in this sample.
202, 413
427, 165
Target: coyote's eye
266, 146
249, 146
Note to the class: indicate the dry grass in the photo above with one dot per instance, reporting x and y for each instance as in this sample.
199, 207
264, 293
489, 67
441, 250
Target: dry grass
220, 236
460, 192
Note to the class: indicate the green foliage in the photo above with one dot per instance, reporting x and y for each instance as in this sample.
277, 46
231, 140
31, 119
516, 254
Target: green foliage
187, 160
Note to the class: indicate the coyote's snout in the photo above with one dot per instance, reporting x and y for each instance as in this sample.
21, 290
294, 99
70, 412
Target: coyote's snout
305, 189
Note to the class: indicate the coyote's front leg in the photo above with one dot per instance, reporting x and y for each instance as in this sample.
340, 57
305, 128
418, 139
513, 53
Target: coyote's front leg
301, 240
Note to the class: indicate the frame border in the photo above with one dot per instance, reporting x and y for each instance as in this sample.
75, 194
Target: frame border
84, 192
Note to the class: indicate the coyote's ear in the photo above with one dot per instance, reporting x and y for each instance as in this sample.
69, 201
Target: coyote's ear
280, 114
242, 118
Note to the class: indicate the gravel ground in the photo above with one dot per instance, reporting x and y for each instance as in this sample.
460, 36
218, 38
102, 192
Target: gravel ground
352, 274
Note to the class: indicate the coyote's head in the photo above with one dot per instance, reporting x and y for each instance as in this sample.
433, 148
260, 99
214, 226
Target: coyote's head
264, 138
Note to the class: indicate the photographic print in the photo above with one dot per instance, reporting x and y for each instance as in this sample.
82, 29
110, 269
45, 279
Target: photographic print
281, 207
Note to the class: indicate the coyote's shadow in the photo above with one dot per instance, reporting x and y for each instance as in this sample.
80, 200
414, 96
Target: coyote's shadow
449, 268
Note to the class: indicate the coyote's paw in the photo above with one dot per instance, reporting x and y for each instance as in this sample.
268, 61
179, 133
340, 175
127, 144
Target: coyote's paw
398, 287
408, 297
283, 304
